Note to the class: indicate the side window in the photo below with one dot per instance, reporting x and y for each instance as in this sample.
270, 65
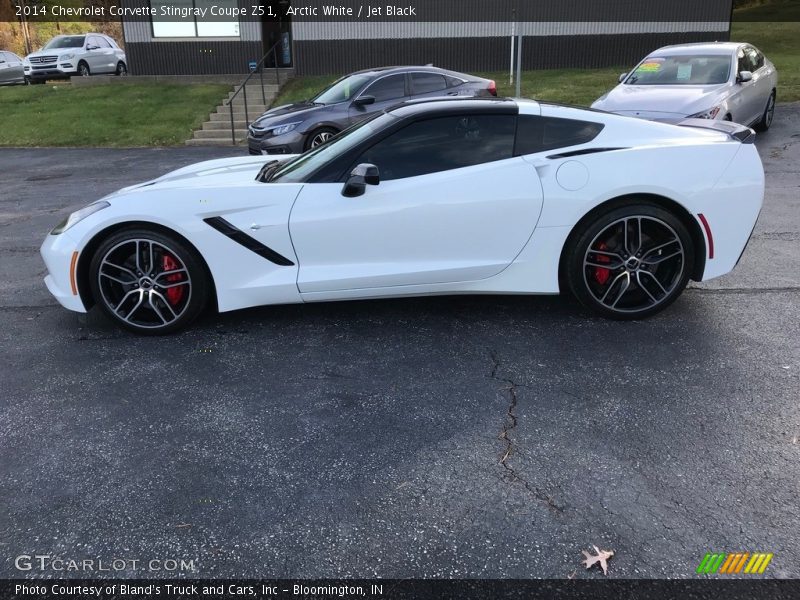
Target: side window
387, 88
453, 81
425, 83
539, 134
102, 42
2, 57
744, 61
442, 144
756, 58
91, 42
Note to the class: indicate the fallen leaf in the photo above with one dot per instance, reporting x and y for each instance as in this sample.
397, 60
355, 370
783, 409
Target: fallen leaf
601, 558
572, 575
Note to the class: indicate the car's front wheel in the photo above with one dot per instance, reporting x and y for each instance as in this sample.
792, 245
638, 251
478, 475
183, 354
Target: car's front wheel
631, 262
83, 69
319, 137
148, 282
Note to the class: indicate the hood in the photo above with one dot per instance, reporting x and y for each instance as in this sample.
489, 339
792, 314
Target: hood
288, 113
661, 100
225, 171
54, 52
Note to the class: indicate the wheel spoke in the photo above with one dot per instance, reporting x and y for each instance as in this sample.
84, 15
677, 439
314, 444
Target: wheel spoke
155, 308
626, 279
168, 273
164, 300
653, 278
644, 288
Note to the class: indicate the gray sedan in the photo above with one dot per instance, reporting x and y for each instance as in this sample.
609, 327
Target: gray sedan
11, 71
722, 80
294, 128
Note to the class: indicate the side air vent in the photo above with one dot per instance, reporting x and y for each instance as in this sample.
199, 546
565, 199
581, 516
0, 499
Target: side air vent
240, 237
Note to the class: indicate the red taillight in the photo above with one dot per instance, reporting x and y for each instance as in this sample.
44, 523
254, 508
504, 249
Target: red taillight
492, 88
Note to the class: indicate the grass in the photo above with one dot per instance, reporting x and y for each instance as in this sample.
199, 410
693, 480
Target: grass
780, 41
105, 115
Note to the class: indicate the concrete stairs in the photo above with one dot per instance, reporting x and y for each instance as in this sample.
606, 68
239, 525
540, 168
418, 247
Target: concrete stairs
217, 130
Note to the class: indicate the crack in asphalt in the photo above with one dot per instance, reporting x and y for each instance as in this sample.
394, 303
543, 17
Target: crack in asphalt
509, 424
766, 290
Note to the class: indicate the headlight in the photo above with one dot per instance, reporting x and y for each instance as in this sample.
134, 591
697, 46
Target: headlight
281, 129
79, 215
67, 56
707, 114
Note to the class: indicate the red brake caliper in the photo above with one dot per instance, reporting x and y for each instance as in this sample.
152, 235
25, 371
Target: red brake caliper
174, 294
601, 275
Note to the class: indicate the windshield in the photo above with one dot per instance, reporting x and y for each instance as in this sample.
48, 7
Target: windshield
681, 70
298, 169
70, 41
342, 90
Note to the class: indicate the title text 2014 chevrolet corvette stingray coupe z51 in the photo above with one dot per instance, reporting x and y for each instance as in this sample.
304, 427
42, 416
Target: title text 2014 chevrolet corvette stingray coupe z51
443, 196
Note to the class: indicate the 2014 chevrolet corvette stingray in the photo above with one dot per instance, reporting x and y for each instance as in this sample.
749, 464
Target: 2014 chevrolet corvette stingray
445, 196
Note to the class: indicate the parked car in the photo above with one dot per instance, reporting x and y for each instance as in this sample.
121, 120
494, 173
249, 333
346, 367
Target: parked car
294, 128
439, 196
722, 80
68, 55
11, 71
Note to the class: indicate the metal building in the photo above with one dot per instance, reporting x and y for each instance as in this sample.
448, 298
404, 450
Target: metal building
468, 35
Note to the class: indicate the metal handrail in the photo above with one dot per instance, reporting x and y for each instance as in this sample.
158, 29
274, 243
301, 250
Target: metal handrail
243, 87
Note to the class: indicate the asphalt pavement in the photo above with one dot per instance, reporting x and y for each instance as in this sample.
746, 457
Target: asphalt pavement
443, 437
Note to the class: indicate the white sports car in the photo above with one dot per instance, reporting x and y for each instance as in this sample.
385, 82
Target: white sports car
442, 196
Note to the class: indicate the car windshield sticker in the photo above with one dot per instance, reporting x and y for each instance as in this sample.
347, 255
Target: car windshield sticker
684, 72
651, 65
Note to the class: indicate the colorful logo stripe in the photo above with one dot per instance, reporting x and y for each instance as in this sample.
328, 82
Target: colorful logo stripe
734, 563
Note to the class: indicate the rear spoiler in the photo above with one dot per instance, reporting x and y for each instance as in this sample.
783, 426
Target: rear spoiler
737, 132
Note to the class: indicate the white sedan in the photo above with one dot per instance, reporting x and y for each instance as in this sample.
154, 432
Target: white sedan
722, 80
443, 196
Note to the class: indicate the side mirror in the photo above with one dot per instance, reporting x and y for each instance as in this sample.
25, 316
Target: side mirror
745, 76
92, 47
622, 77
364, 100
363, 175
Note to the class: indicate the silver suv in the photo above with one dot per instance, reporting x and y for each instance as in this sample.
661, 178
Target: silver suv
68, 55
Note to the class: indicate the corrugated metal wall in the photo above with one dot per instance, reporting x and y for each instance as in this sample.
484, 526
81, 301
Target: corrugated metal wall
568, 33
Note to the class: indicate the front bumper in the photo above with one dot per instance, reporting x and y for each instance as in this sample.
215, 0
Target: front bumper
288, 143
55, 71
57, 252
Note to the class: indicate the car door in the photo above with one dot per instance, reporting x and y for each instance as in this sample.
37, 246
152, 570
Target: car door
6, 75
453, 204
107, 59
746, 95
761, 82
93, 55
386, 90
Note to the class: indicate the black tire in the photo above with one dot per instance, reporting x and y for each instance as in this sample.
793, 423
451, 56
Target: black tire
319, 136
616, 282
122, 69
149, 293
83, 69
769, 112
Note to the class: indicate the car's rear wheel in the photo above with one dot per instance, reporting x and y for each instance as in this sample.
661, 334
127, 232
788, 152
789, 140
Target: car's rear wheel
769, 113
631, 262
148, 282
122, 70
83, 69
319, 137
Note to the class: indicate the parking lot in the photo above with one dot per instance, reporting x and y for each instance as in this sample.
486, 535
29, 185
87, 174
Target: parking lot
456, 437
